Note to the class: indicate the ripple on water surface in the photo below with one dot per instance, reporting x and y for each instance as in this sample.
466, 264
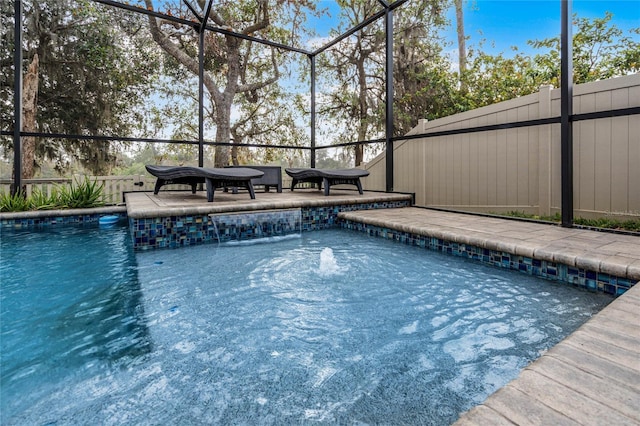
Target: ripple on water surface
332, 327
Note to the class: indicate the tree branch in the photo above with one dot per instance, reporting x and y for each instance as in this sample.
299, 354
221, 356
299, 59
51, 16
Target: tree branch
174, 50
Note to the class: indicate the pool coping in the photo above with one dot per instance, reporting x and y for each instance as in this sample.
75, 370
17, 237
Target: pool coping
37, 218
146, 205
613, 254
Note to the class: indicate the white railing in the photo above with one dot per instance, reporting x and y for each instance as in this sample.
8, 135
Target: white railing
114, 186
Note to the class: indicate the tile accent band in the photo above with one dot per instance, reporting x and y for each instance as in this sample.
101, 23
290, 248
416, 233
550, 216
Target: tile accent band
579, 277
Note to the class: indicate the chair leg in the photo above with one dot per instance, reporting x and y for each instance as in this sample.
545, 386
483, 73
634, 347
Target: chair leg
210, 190
251, 191
159, 183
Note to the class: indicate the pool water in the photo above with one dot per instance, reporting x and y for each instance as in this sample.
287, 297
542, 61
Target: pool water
330, 327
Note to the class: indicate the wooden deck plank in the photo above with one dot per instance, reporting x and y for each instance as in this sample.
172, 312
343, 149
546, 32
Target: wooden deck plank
482, 416
615, 396
521, 409
568, 401
590, 342
613, 337
616, 328
600, 367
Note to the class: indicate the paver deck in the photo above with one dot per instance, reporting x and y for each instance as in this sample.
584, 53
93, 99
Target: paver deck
593, 376
146, 204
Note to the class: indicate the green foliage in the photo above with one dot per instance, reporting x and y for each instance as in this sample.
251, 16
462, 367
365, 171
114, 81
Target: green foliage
603, 222
81, 195
14, 203
102, 73
610, 223
600, 51
96, 71
85, 194
39, 200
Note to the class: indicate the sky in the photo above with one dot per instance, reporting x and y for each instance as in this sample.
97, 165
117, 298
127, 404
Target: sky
505, 23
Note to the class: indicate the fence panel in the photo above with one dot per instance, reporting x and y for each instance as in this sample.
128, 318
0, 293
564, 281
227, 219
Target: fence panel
519, 169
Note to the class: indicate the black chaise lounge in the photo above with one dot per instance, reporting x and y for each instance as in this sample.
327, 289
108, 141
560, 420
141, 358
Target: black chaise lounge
327, 177
215, 178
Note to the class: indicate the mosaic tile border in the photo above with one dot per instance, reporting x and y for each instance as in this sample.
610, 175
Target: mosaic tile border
45, 221
583, 278
170, 232
179, 231
317, 218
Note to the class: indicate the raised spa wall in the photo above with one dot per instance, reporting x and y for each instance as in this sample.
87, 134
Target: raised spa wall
178, 231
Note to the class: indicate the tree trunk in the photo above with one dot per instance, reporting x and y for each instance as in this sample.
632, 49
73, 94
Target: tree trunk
29, 105
462, 49
362, 107
223, 132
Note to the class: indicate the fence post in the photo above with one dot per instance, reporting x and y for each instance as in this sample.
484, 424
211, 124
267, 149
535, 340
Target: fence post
544, 152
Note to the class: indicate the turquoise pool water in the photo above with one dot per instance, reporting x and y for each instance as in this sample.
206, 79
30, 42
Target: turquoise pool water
330, 327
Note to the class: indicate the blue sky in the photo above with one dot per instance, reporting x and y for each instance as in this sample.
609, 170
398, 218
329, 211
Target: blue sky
505, 23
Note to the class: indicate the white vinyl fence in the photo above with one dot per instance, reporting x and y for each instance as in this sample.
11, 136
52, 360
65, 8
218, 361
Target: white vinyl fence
519, 169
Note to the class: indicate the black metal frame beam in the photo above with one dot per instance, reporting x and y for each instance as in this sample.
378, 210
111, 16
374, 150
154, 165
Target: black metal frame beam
201, 34
198, 25
389, 101
312, 119
17, 99
566, 111
621, 112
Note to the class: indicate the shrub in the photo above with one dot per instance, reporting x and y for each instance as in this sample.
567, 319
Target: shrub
14, 203
81, 195
39, 200
85, 194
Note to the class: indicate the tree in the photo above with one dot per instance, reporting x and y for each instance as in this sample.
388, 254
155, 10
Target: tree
462, 49
356, 70
421, 74
600, 51
94, 73
233, 67
351, 67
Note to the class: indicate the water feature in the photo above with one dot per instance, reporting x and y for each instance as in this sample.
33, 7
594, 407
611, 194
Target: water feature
329, 327
247, 226
328, 264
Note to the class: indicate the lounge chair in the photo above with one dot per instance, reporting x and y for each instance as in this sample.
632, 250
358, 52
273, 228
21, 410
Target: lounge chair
215, 178
327, 177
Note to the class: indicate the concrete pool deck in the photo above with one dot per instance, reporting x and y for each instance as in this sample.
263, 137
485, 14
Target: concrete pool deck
146, 204
591, 377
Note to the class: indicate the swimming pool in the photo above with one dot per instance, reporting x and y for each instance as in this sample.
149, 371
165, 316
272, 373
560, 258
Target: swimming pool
329, 327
